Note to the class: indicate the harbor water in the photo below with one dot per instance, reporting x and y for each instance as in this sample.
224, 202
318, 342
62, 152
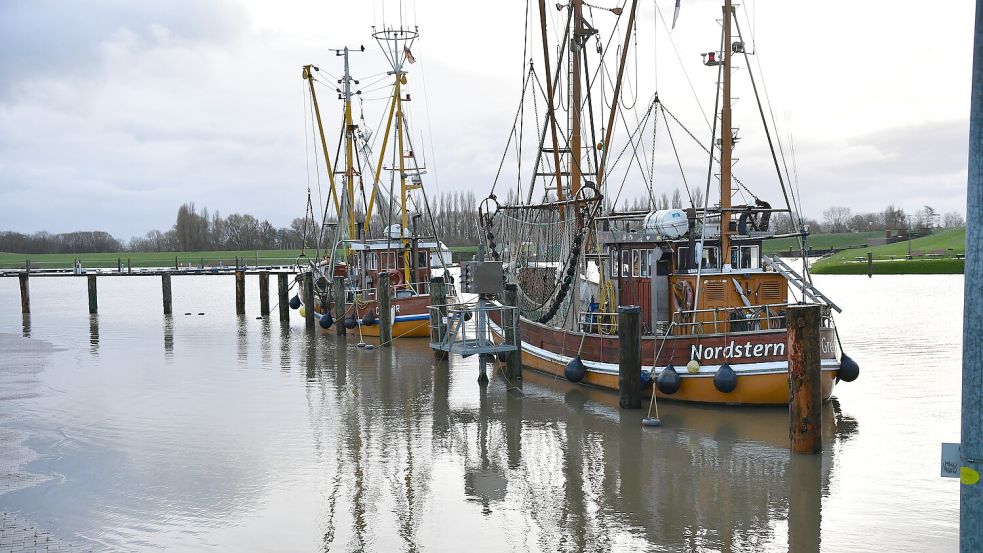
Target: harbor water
204, 431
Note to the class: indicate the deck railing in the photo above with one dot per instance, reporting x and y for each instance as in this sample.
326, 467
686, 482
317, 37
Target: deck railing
474, 327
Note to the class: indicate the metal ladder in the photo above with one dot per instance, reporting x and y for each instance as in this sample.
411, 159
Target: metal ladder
795, 279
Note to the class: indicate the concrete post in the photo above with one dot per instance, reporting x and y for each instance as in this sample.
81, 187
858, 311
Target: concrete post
338, 294
630, 357
805, 386
264, 294
284, 302
383, 295
93, 299
165, 285
25, 292
240, 293
971, 490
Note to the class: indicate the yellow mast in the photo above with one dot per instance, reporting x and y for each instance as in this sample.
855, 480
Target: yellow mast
382, 151
403, 188
726, 142
324, 144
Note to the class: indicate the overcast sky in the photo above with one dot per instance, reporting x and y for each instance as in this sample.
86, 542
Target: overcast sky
114, 112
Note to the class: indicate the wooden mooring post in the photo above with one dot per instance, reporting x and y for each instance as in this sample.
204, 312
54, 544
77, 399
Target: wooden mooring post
870, 264
165, 285
264, 294
383, 296
284, 302
438, 296
630, 356
338, 294
309, 300
805, 385
240, 292
93, 295
25, 292
510, 320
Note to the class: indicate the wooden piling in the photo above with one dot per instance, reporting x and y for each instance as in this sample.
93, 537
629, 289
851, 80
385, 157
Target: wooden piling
165, 285
383, 296
176, 264
93, 299
510, 320
129, 266
25, 292
804, 378
870, 264
240, 292
438, 296
338, 294
119, 264
264, 294
630, 356
284, 302
309, 300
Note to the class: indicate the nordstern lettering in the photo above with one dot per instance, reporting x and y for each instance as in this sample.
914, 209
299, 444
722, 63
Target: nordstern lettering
734, 349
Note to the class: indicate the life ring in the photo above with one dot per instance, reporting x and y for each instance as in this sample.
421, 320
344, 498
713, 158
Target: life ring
395, 277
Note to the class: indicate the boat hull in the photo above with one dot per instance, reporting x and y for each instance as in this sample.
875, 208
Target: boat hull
411, 318
758, 358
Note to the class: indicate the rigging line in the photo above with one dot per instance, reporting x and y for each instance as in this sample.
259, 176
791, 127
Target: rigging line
771, 147
630, 142
512, 133
317, 169
705, 149
590, 116
679, 58
426, 106
678, 161
655, 127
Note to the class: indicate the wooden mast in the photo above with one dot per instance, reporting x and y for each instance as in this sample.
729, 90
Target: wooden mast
726, 142
549, 101
575, 96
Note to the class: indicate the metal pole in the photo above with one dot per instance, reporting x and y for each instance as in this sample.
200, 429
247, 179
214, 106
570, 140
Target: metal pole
971, 492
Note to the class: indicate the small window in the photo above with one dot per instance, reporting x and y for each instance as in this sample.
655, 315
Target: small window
745, 257
682, 259
710, 258
635, 263
614, 264
645, 255
625, 262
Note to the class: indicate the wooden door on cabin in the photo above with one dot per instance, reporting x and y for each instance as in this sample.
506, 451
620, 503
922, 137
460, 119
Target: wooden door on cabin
635, 282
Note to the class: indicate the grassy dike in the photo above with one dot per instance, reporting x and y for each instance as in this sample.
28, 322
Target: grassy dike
890, 259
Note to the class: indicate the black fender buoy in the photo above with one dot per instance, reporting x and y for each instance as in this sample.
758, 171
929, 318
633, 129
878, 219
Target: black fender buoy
668, 381
849, 369
295, 302
350, 322
369, 318
725, 380
575, 371
326, 320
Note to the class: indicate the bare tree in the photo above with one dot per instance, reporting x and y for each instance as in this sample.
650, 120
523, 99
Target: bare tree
953, 219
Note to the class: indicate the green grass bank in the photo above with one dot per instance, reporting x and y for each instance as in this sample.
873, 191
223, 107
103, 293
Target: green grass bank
938, 253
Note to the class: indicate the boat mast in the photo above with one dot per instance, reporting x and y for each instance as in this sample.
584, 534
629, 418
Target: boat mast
726, 142
575, 96
309, 77
349, 144
549, 102
403, 187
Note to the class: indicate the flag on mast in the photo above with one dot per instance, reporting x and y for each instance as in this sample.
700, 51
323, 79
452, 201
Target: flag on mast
409, 55
675, 14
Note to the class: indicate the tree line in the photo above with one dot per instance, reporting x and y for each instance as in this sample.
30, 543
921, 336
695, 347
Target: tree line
454, 217
454, 221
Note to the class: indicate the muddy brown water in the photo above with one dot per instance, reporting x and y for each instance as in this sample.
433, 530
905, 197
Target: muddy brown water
131, 431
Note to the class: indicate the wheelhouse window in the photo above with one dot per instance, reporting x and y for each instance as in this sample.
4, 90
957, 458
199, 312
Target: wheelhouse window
710, 258
745, 257
625, 262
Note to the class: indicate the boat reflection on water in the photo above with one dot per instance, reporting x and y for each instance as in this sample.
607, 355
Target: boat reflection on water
558, 466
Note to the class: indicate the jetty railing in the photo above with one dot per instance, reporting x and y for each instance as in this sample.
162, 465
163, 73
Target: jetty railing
467, 328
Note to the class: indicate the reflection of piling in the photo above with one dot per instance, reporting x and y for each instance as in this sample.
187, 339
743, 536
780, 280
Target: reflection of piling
25, 292
805, 501
630, 359
339, 304
93, 299
240, 292
283, 302
510, 319
309, 300
165, 286
264, 294
438, 296
804, 378
383, 300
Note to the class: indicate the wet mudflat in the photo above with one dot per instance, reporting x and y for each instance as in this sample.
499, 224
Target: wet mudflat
129, 431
